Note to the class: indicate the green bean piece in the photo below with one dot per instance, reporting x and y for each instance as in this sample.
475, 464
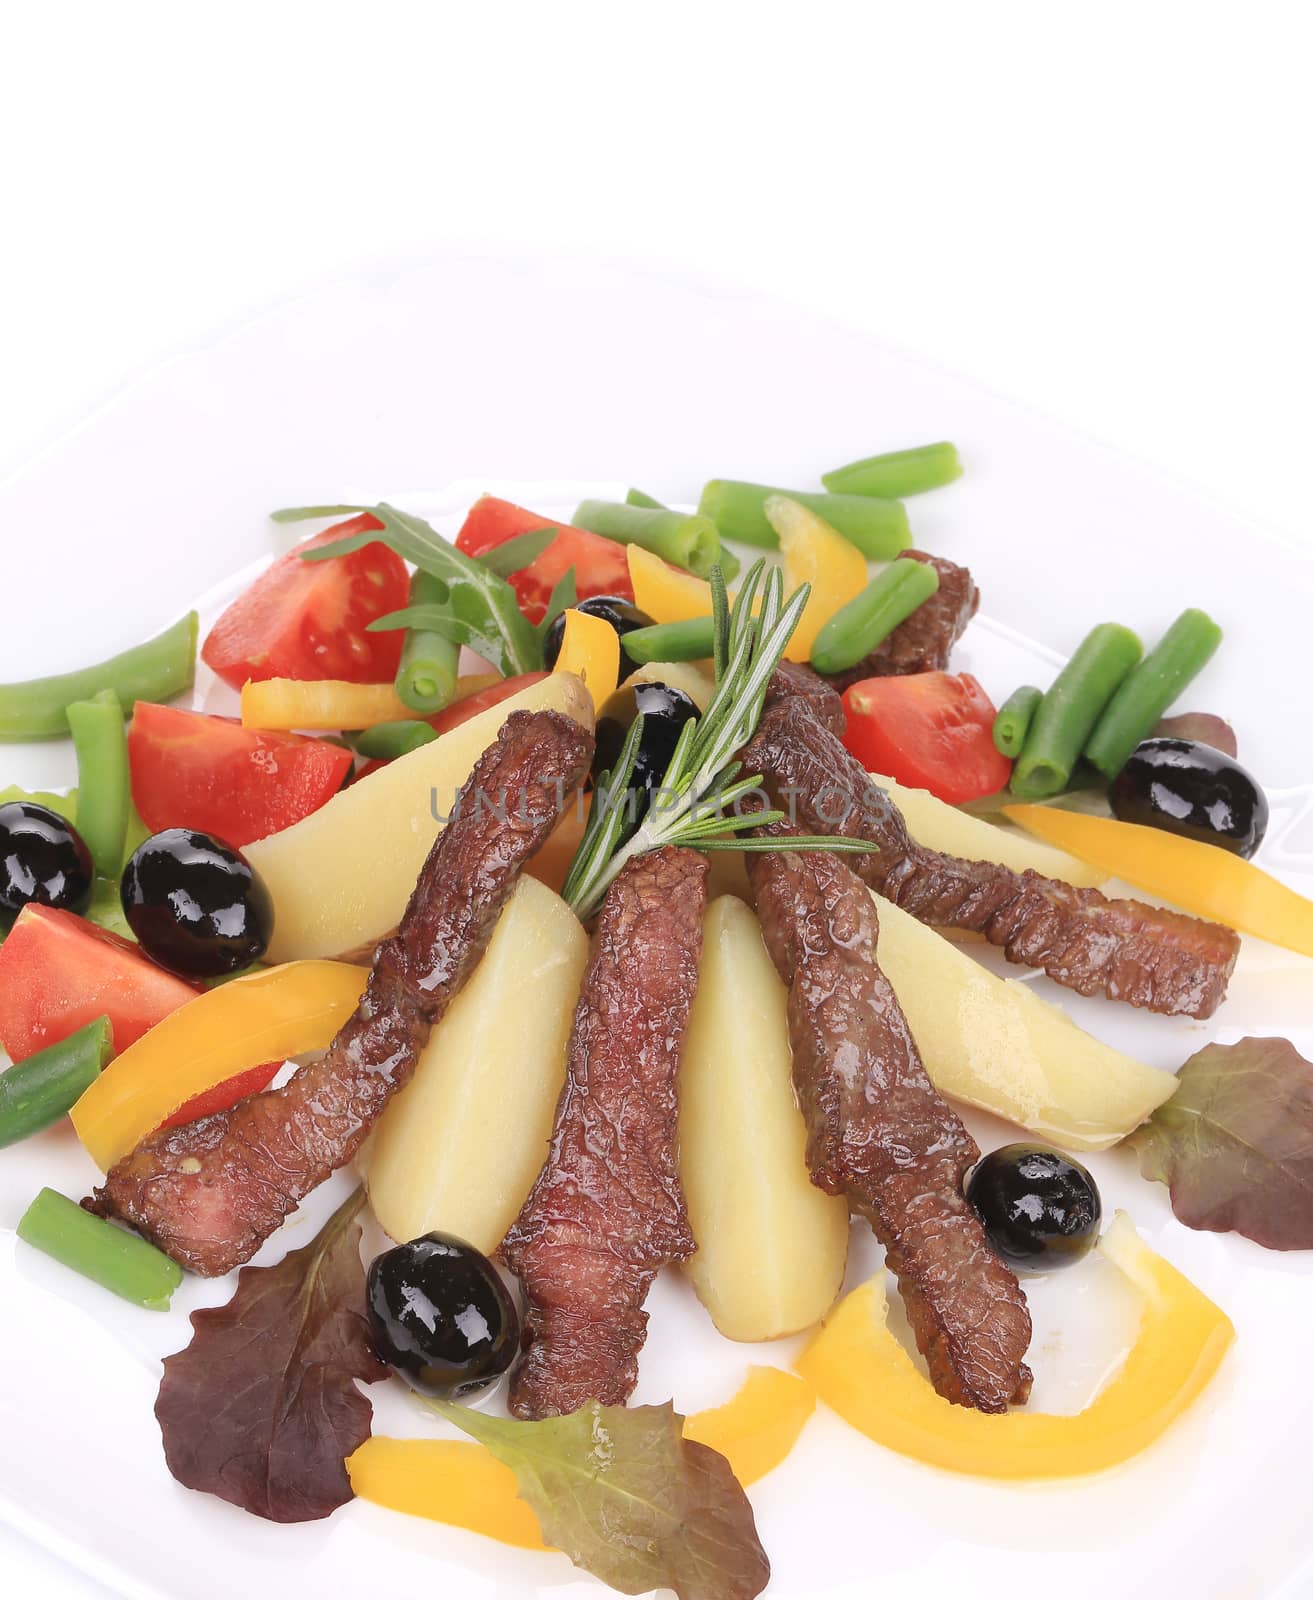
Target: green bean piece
111, 1256
1014, 719
672, 641
104, 787
729, 562
385, 741
157, 670
43, 1087
1178, 657
683, 540
867, 620
426, 676
877, 527
636, 497
897, 472
1066, 716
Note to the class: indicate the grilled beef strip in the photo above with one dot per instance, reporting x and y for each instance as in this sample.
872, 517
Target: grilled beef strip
922, 642
210, 1193
794, 679
607, 1211
1152, 958
878, 1131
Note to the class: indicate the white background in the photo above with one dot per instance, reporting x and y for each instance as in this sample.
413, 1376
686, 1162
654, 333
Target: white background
1102, 211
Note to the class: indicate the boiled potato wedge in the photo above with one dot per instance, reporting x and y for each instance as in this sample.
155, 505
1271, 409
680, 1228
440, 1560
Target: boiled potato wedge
341, 877
995, 1043
938, 825
771, 1247
459, 1148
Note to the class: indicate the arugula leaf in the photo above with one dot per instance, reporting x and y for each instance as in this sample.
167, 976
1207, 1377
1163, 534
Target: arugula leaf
1199, 725
1235, 1143
513, 555
564, 594
484, 612
262, 1408
629, 1499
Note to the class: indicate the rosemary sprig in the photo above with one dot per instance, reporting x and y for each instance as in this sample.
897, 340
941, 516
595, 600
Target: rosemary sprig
703, 781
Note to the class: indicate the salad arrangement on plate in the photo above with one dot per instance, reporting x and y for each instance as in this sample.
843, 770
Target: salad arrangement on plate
643, 943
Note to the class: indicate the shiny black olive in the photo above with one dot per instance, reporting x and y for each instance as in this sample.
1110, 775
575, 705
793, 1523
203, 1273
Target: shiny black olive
196, 904
441, 1315
43, 860
1040, 1209
665, 711
1192, 789
623, 615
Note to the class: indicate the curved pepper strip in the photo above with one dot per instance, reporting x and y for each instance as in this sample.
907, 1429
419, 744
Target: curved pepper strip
267, 1016
464, 1485
590, 648
861, 1371
326, 703
666, 593
814, 553
1203, 879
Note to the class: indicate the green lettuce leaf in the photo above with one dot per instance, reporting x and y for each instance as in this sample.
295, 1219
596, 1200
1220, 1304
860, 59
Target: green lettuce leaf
1235, 1143
629, 1499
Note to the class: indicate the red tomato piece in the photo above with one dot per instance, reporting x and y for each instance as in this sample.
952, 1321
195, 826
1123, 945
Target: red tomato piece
195, 771
472, 704
309, 619
929, 730
600, 565
224, 1095
58, 972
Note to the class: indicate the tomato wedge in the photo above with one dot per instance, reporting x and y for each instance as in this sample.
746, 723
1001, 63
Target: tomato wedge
224, 1095
190, 770
309, 619
929, 730
599, 564
58, 972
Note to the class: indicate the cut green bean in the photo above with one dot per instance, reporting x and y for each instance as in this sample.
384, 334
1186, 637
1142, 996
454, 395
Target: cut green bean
104, 787
673, 641
157, 670
877, 527
426, 676
1066, 715
111, 1256
1013, 721
867, 621
1132, 713
636, 497
729, 562
385, 741
43, 1087
897, 472
683, 540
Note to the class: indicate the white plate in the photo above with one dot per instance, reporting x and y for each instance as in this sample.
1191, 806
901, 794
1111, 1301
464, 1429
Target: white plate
467, 373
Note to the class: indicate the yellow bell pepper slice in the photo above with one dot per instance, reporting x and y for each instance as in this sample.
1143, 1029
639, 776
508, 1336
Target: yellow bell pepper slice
1202, 879
267, 1016
861, 1371
666, 593
324, 703
590, 648
814, 553
464, 1485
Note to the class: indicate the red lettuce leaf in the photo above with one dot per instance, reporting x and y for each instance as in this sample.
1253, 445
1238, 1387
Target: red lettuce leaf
1235, 1143
1201, 726
628, 1498
262, 1407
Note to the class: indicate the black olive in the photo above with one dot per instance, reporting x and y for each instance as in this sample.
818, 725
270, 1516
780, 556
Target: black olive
43, 860
665, 711
623, 615
441, 1315
1039, 1208
1192, 789
196, 904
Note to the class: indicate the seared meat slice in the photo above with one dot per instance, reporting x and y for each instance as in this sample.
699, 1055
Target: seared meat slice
212, 1192
794, 679
607, 1211
923, 641
878, 1131
1149, 957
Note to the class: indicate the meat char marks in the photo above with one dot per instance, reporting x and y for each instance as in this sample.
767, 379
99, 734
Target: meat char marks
607, 1211
1149, 957
878, 1132
922, 642
212, 1192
